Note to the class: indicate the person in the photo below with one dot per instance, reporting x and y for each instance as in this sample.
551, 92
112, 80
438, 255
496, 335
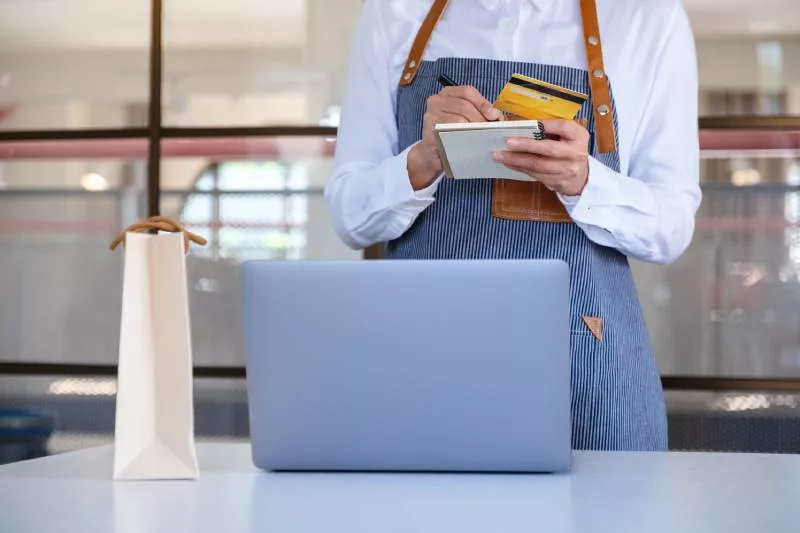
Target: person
618, 182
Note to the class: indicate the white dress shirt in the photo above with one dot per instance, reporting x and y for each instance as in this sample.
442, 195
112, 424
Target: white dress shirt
646, 211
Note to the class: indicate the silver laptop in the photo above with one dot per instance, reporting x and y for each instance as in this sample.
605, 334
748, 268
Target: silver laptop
447, 366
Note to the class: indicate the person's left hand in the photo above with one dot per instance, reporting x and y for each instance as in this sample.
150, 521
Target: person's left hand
560, 162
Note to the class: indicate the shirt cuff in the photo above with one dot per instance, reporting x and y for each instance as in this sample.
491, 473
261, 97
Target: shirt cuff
398, 189
602, 189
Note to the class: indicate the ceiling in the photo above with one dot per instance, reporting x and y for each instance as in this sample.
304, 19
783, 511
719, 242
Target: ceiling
124, 24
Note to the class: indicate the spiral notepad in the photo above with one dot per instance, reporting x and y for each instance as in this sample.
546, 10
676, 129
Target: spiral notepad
466, 149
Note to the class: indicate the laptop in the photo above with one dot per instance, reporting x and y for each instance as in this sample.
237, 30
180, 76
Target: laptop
405, 365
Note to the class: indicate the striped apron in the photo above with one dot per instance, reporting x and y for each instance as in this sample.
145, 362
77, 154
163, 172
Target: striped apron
617, 399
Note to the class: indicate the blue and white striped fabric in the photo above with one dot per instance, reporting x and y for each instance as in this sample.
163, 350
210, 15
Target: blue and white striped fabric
617, 400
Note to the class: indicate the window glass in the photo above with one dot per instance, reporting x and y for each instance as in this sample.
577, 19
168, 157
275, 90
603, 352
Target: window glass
73, 64
255, 62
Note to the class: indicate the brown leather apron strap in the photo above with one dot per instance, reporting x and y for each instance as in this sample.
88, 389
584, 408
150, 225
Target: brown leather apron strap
598, 81
421, 41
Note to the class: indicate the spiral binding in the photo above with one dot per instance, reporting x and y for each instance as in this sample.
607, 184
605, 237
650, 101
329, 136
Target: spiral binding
539, 133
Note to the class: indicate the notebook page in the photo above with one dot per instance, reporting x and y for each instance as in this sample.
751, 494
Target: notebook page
468, 151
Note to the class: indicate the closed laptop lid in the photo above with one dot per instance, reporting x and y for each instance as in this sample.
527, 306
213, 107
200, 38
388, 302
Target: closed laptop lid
408, 365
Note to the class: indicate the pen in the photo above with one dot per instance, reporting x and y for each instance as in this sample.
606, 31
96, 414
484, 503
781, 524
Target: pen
447, 81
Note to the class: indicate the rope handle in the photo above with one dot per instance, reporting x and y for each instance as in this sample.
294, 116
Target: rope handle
160, 223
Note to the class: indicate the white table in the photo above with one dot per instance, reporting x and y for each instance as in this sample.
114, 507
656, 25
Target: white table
607, 492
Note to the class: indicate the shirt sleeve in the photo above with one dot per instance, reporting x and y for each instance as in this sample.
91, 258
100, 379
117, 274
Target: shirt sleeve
649, 214
369, 196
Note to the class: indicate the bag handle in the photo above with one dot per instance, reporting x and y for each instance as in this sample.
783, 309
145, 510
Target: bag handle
160, 223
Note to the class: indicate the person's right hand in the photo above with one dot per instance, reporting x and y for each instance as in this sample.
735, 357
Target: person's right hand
453, 104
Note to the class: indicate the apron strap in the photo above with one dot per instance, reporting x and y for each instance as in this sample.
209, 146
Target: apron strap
421, 41
598, 81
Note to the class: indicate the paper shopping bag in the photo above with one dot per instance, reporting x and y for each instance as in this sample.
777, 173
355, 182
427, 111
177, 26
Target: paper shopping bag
154, 431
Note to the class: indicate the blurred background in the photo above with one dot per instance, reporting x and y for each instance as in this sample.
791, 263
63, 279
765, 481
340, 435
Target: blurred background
224, 115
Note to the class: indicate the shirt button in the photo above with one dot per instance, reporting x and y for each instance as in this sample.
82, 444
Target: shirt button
508, 24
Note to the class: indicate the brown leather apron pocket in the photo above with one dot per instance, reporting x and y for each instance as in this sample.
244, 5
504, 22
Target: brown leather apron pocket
526, 200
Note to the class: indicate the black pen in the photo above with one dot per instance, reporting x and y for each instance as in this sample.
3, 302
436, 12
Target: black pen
447, 81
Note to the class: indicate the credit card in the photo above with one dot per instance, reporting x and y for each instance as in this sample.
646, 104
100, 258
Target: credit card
531, 99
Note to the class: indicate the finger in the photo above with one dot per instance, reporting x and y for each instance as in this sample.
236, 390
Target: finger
545, 148
548, 180
440, 105
522, 170
531, 164
570, 130
473, 96
438, 116
447, 118
464, 108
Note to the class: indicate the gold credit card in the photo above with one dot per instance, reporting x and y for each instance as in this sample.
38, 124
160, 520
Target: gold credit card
533, 99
